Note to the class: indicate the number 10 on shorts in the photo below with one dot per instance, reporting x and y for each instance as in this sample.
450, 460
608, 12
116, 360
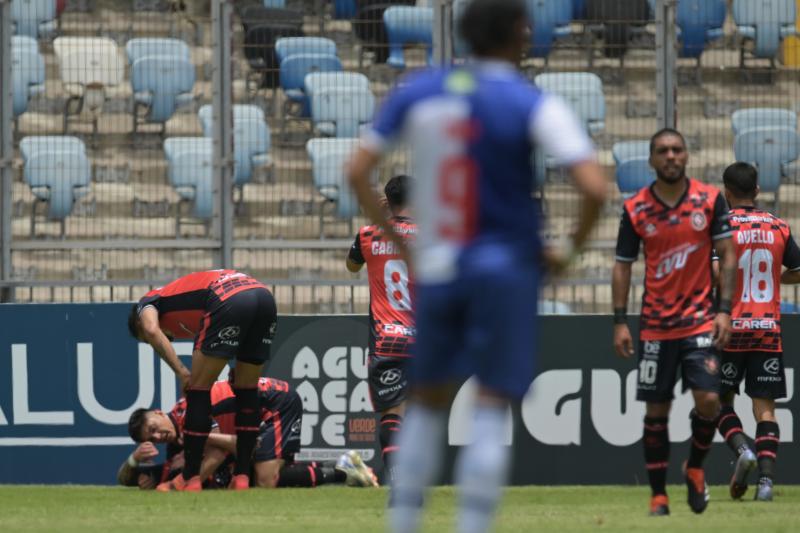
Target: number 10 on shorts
647, 371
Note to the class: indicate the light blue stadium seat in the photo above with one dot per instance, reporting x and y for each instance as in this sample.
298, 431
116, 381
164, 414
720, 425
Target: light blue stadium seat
240, 112
553, 307
289, 46
275, 4
27, 77
344, 9
24, 42
251, 144
157, 46
175, 146
192, 176
583, 92
404, 25
770, 150
324, 80
294, 70
766, 22
162, 84
699, 22
762, 117
58, 178
550, 20
30, 146
328, 160
34, 17
347, 108
789, 308
633, 170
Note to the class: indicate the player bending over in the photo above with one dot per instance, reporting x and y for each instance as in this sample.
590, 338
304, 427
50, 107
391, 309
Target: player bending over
391, 334
762, 243
280, 413
229, 315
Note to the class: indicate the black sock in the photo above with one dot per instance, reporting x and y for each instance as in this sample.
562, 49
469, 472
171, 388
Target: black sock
248, 417
195, 431
768, 435
390, 425
309, 475
656, 453
703, 430
730, 427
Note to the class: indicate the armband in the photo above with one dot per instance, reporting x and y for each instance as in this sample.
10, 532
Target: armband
725, 307
620, 315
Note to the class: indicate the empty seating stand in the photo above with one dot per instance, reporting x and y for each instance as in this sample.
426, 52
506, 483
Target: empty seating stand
27, 74
699, 23
370, 29
341, 111
293, 73
289, 46
616, 20
58, 190
319, 81
549, 21
770, 149
762, 117
328, 159
34, 18
262, 27
190, 172
407, 25
633, 170
766, 23
161, 84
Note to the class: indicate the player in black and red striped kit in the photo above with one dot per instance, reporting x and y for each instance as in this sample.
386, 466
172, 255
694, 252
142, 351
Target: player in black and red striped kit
229, 315
762, 243
392, 330
677, 219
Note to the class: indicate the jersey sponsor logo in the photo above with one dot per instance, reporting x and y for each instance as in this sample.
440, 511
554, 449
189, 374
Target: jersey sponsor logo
399, 329
704, 341
674, 261
773, 366
729, 370
390, 376
699, 221
754, 323
384, 248
230, 332
652, 348
296, 426
755, 236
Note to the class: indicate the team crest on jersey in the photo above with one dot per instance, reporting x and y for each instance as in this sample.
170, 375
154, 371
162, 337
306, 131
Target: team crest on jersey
650, 229
699, 221
712, 366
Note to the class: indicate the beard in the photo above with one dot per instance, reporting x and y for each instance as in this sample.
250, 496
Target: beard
672, 178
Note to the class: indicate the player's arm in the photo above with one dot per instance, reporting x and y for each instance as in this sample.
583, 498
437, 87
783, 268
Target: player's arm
628, 242
355, 258
723, 245
213, 457
129, 470
791, 260
222, 441
152, 334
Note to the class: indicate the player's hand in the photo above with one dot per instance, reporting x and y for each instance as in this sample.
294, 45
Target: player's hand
183, 377
555, 260
623, 342
146, 482
721, 330
144, 452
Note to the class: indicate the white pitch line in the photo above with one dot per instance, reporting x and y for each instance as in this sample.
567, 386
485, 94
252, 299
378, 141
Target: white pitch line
65, 441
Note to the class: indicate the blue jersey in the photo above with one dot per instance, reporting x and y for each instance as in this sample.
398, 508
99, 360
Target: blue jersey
472, 131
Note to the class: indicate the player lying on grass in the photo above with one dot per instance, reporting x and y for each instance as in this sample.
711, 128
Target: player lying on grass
280, 412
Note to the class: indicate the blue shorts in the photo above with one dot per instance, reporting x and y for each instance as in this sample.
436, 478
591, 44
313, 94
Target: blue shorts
483, 323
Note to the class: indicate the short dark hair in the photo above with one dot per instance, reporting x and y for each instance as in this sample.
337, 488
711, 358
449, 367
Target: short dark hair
136, 423
488, 25
133, 321
397, 191
741, 179
661, 133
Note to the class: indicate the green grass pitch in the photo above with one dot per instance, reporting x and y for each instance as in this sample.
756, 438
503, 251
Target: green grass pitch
335, 509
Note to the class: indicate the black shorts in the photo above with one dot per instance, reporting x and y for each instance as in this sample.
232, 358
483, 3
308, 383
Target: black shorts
242, 326
764, 371
279, 435
659, 362
387, 381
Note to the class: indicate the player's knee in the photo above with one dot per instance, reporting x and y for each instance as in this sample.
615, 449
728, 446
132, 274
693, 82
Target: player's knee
658, 410
267, 480
763, 410
707, 404
726, 400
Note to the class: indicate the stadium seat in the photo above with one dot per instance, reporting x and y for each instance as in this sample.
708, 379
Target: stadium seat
34, 18
699, 22
578, 9
344, 9
549, 20
274, 4
32, 145
27, 77
161, 84
762, 117
340, 111
293, 73
240, 112
789, 308
59, 190
328, 160
251, 144
24, 42
288, 46
88, 67
769, 149
259, 49
633, 170
553, 307
153, 46
583, 91
766, 23
404, 25
321, 80
192, 174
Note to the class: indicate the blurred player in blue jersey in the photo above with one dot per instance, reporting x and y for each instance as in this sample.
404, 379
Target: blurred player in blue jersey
478, 256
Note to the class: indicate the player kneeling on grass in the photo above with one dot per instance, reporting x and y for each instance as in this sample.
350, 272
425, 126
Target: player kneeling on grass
280, 414
762, 242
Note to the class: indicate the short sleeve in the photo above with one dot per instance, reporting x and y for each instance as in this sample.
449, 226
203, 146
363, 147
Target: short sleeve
791, 254
628, 240
148, 300
720, 224
389, 120
555, 128
356, 255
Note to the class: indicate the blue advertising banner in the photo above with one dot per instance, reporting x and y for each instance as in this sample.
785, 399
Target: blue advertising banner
70, 375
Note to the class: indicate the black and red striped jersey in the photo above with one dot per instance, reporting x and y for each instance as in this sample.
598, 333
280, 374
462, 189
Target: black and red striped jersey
763, 242
392, 330
182, 303
677, 300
